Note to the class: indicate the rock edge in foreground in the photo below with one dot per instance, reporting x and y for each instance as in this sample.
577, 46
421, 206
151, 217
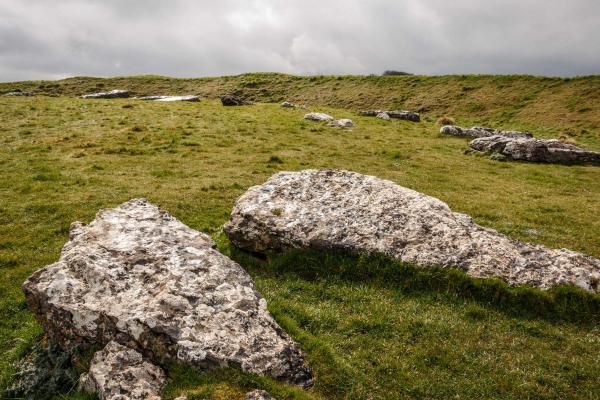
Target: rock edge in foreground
138, 276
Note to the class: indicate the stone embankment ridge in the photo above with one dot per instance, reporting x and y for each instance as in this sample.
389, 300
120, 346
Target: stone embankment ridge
345, 211
139, 277
534, 150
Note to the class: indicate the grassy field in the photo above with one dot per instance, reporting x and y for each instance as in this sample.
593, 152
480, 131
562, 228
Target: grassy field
62, 159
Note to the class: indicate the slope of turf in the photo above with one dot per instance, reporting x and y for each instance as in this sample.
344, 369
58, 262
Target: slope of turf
547, 104
367, 335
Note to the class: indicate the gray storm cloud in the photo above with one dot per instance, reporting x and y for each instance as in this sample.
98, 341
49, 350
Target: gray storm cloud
52, 39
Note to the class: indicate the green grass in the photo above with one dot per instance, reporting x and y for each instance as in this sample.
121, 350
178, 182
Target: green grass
371, 329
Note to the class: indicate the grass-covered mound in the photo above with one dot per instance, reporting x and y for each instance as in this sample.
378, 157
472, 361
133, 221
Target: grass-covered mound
371, 328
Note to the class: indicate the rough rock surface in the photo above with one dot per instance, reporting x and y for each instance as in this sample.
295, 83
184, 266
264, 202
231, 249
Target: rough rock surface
287, 104
346, 211
342, 123
20, 94
479, 131
231, 100
170, 98
315, 116
118, 373
113, 94
259, 395
406, 115
138, 276
536, 150
383, 115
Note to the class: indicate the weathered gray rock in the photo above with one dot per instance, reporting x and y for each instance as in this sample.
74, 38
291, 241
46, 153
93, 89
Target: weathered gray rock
535, 150
19, 94
405, 115
120, 373
479, 131
259, 395
315, 116
170, 98
342, 123
138, 276
345, 211
232, 100
113, 94
287, 104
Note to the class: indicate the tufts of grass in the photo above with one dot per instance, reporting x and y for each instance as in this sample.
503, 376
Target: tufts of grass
446, 121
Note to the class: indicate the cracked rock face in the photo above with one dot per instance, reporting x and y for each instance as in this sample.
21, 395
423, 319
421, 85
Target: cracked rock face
479, 131
113, 94
535, 150
349, 212
315, 116
120, 373
138, 276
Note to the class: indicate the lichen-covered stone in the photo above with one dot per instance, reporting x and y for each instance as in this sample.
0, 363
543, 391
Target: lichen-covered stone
346, 211
535, 150
258, 395
287, 104
479, 131
113, 94
138, 276
315, 116
342, 123
120, 373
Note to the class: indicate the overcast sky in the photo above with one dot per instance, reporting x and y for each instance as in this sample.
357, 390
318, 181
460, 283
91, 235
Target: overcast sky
41, 39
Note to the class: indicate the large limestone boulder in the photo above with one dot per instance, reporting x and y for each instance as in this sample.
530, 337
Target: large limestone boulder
138, 276
349, 212
113, 94
118, 373
479, 131
536, 150
316, 116
259, 395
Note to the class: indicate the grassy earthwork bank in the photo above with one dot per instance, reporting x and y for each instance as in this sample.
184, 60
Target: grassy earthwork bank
371, 328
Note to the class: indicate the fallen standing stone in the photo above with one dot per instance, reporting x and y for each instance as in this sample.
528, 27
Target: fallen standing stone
113, 94
534, 150
230, 100
342, 123
138, 276
405, 115
349, 212
20, 94
479, 131
315, 116
170, 98
118, 372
